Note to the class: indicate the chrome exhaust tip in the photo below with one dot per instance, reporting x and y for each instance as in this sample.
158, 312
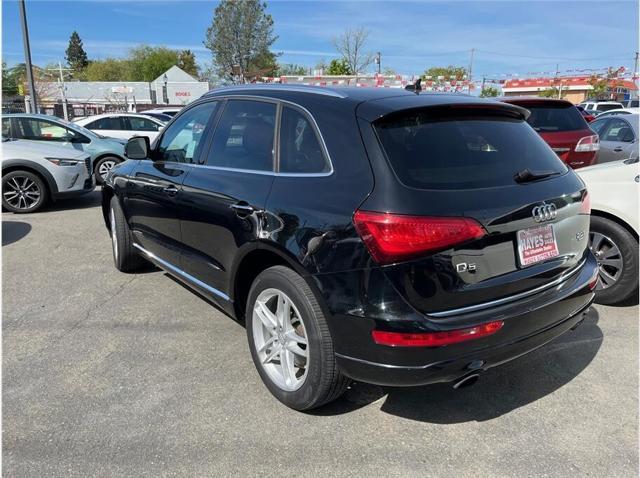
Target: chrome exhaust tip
467, 381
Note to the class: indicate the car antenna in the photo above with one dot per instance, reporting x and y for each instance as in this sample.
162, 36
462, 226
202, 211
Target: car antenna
416, 87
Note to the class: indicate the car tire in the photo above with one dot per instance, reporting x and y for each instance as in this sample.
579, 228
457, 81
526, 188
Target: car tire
125, 257
311, 381
616, 250
102, 167
23, 192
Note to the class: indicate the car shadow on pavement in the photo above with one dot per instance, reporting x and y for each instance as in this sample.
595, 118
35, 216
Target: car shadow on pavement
92, 199
498, 391
13, 231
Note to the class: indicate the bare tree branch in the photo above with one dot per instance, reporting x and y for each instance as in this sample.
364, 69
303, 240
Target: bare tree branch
351, 46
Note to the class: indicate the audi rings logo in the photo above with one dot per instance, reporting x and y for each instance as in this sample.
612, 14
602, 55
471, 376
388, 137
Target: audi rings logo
544, 212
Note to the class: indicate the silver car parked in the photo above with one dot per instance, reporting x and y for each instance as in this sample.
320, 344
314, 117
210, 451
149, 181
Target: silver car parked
618, 137
33, 174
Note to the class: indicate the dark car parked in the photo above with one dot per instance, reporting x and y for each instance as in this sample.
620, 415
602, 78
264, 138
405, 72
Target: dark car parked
368, 234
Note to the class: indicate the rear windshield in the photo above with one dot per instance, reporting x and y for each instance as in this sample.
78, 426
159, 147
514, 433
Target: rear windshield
605, 107
462, 152
550, 118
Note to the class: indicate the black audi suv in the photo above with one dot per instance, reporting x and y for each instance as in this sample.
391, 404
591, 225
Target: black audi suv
370, 234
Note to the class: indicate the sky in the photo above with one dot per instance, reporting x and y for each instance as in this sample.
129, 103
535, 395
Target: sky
509, 36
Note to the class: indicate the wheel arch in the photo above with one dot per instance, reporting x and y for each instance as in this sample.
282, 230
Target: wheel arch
107, 194
34, 168
616, 219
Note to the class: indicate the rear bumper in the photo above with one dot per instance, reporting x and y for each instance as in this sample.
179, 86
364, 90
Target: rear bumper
528, 324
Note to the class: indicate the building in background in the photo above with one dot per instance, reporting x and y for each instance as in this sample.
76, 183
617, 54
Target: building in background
176, 87
572, 88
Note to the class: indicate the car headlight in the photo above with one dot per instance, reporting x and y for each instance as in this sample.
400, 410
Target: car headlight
63, 161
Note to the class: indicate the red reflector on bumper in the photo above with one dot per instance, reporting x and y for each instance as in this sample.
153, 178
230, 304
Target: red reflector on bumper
435, 339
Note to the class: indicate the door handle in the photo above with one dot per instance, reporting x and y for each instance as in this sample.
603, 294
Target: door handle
617, 149
243, 209
170, 190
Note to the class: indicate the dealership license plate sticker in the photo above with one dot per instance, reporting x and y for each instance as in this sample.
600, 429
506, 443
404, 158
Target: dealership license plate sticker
537, 244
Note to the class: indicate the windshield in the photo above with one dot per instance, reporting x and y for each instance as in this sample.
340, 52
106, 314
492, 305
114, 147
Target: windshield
463, 152
552, 117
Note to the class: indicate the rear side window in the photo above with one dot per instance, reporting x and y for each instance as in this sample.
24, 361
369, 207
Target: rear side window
244, 136
601, 107
551, 118
300, 150
135, 123
6, 128
462, 152
617, 130
113, 123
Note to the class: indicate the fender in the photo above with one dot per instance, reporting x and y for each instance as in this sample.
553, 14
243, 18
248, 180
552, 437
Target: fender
41, 170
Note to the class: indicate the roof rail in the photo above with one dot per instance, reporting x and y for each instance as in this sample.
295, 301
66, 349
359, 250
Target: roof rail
317, 90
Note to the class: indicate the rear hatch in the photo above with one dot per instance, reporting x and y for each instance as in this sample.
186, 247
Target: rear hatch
477, 207
563, 127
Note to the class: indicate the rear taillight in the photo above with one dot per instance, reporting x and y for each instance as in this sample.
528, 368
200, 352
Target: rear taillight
588, 143
585, 206
435, 339
395, 237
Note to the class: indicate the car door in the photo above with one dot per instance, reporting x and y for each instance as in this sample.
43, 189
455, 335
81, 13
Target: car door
616, 140
154, 187
138, 126
223, 204
110, 126
38, 129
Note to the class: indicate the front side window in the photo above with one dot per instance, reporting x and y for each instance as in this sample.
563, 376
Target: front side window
182, 140
244, 136
141, 124
111, 123
300, 150
617, 130
42, 130
466, 150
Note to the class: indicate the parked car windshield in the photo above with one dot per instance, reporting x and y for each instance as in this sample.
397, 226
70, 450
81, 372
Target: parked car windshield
463, 152
555, 117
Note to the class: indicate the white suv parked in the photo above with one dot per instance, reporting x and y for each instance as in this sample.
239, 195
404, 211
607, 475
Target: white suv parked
600, 105
34, 173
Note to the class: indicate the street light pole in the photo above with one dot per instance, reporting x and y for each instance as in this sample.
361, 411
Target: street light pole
27, 57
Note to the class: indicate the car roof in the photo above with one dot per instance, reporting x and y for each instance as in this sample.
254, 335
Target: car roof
370, 103
107, 115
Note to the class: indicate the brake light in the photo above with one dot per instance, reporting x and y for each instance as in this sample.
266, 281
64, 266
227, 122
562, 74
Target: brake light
435, 339
588, 143
394, 237
585, 207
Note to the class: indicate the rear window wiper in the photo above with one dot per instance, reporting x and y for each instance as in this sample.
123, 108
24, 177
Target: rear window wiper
526, 175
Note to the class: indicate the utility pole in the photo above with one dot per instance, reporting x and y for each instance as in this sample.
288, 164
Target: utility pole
635, 70
62, 90
378, 62
482, 87
27, 57
555, 81
469, 77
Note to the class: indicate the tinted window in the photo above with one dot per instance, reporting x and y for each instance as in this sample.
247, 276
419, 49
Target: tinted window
617, 130
549, 118
182, 141
300, 150
42, 130
113, 123
6, 128
244, 136
598, 125
463, 152
141, 124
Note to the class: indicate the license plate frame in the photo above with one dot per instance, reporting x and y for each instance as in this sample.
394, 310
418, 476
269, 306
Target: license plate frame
536, 244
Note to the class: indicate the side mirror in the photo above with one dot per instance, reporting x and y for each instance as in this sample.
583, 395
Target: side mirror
137, 148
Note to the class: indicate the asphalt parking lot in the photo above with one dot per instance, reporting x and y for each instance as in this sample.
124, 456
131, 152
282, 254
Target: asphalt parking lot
108, 374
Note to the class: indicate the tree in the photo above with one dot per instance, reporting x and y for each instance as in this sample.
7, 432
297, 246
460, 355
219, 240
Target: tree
339, 67
240, 36
263, 64
146, 63
602, 86
351, 46
75, 55
291, 69
553, 92
448, 72
489, 92
109, 69
9, 84
386, 71
187, 61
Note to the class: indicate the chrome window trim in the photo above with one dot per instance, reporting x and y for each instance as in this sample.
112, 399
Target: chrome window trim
511, 298
182, 273
278, 101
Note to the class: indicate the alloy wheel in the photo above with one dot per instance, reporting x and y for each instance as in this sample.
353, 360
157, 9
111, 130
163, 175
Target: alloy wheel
22, 192
105, 167
609, 259
280, 339
114, 236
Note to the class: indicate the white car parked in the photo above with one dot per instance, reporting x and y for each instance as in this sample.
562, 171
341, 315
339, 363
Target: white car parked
35, 173
601, 105
169, 111
123, 125
619, 111
613, 237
